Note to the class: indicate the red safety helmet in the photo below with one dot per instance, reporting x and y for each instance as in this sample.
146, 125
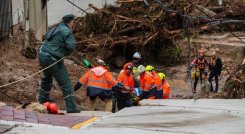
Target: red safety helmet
201, 51
129, 66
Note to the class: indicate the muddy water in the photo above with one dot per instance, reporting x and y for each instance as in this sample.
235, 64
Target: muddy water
57, 8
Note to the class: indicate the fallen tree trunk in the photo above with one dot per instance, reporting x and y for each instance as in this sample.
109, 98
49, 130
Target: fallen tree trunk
125, 41
128, 30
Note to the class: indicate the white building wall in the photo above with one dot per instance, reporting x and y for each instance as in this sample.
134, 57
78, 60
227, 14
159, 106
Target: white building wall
37, 18
17, 11
58, 8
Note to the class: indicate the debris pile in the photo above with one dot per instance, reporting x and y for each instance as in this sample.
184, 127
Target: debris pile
235, 85
116, 32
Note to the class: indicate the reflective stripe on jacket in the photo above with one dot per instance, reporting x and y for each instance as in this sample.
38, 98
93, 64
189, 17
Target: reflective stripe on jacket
147, 81
158, 80
126, 80
99, 77
166, 90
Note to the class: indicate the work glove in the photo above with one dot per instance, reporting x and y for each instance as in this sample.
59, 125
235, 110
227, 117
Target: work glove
77, 86
136, 99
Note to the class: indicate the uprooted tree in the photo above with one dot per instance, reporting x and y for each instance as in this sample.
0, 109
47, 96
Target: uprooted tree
114, 33
235, 85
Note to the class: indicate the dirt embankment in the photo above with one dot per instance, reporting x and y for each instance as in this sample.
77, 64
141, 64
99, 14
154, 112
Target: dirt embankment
14, 66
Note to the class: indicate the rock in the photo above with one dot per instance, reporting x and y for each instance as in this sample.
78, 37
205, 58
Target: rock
205, 11
2, 104
209, 53
68, 62
36, 107
205, 46
120, 61
212, 49
217, 49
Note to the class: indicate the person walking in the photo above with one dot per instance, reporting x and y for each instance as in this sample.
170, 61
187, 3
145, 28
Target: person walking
215, 68
200, 63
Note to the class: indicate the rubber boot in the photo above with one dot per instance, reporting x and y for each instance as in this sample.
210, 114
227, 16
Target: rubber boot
92, 104
70, 105
108, 105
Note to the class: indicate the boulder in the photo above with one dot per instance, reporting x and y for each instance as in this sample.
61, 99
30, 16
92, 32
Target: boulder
209, 53
36, 107
2, 104
68, 62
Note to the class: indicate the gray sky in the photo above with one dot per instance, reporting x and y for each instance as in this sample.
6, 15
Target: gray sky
58, 8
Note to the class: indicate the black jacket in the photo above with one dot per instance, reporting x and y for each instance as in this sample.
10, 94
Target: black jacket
216, 69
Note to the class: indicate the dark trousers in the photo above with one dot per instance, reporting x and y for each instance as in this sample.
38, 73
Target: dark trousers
197, 79
210, 78
159, 94
124, 103
59, 72
149, 94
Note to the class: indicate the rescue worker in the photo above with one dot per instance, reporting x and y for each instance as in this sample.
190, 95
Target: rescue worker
147, 84
200, 64
205, 87
59, 42
165, 85
215, 68
99, 84
136, 62
124, 96
158, 81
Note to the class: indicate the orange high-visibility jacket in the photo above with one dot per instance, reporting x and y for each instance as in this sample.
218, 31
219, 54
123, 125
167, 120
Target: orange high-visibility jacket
147, 81
126, 80
158, 80
166, 90
99, 77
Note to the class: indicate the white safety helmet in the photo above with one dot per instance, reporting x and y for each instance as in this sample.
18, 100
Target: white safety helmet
137, 55
141, 69
100, 62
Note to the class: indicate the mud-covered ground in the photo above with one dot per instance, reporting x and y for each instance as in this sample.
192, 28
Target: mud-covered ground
14, 66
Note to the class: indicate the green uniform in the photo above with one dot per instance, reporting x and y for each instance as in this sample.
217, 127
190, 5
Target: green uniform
59, 42
205, 88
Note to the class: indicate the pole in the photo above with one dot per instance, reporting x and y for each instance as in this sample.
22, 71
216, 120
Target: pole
189, 42
77, 6
189, 54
